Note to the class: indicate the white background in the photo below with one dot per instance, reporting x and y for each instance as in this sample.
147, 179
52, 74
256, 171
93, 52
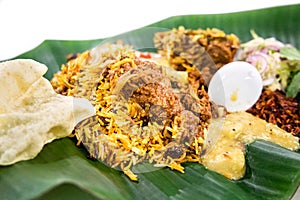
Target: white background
26, 23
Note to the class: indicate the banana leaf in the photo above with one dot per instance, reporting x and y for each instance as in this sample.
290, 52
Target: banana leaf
63, 170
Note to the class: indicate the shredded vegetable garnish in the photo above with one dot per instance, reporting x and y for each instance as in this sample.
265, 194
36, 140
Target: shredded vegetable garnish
272, 58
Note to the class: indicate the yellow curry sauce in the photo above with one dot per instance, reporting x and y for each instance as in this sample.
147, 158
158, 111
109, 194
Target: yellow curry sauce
225, 153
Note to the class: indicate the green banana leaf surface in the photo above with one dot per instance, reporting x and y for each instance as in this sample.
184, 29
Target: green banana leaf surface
63, 170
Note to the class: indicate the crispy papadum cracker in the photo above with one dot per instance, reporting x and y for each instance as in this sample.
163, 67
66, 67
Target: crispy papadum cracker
31, 113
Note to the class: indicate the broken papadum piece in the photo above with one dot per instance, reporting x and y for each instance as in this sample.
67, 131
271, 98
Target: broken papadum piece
31, 113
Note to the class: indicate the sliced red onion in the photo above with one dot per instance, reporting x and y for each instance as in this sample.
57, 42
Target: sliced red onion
268, 81
273, 44
259, 60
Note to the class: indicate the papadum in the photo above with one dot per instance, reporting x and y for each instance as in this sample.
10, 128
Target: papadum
32, 114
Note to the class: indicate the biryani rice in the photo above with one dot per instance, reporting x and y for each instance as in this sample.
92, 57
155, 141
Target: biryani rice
122, 133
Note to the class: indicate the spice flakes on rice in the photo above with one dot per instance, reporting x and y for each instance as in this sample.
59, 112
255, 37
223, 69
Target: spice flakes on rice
146, 112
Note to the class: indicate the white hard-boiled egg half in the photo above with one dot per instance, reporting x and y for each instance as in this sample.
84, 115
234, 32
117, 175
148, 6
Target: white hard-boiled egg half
237, 86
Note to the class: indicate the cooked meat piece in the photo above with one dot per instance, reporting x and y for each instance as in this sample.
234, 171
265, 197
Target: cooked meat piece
174, 151
190, 128
206, 50
156, 94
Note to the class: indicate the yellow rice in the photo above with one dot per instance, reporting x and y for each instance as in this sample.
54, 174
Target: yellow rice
118, 135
